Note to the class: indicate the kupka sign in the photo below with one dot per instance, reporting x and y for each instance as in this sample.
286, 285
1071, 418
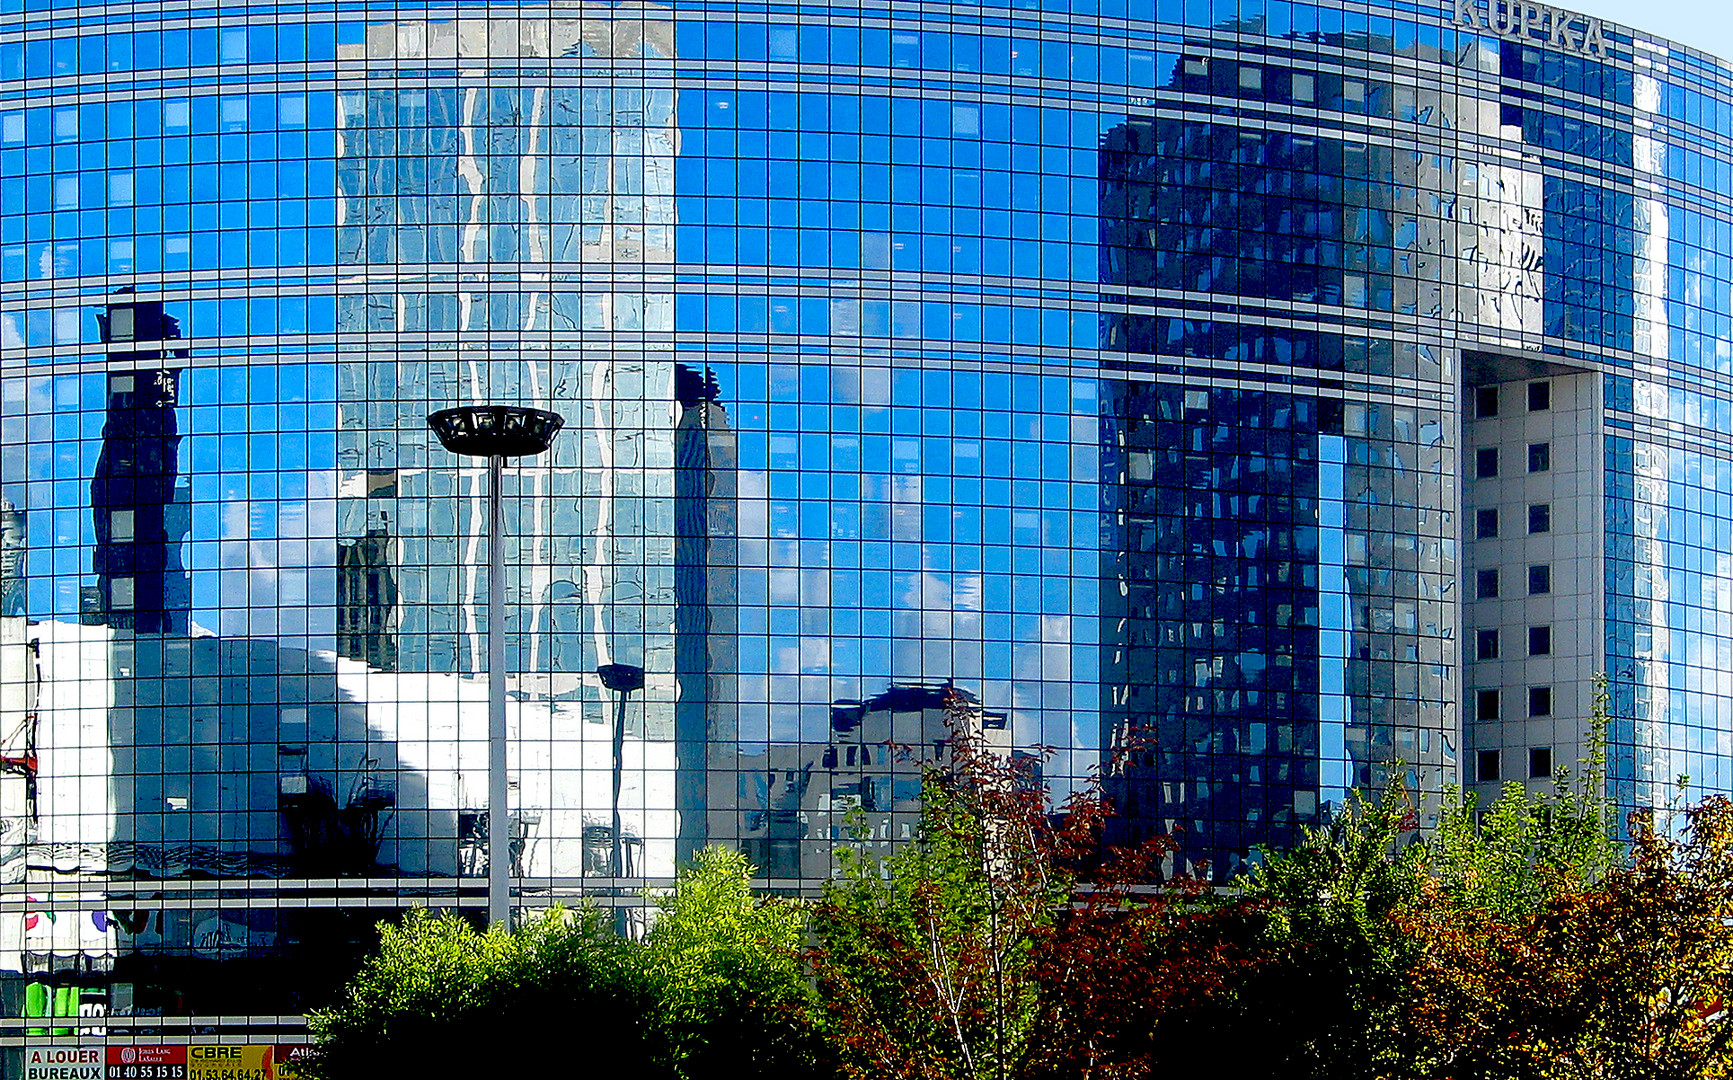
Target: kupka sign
1523, 21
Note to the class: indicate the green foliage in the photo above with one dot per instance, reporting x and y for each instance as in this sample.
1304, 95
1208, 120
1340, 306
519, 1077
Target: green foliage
949, 957
1524, 850
1365, 953
732, 998
1316, 991
1519, 942
1658, 937
718, 989
1353, 870
924, 960
1628, 978
440, 998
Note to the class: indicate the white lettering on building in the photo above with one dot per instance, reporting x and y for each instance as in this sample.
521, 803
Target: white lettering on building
1522, 20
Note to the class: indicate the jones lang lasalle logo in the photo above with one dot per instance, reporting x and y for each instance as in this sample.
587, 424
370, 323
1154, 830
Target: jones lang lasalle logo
1534, 22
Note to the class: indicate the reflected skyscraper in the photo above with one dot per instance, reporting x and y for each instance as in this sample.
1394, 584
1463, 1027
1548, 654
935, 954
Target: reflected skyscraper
1249, 684
1255, 405
138, 508
1226, 664
706, 598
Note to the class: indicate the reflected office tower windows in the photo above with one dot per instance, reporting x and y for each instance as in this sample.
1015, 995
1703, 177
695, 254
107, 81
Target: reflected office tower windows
138, 502
1226, 667
1272, 636
868, 778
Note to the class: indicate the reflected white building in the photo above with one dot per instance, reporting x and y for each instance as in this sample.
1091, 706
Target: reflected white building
798, 802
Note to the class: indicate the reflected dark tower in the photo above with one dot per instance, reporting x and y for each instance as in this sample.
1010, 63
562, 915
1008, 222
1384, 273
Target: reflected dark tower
1212, 640
1213, 622
139, 509
706, 729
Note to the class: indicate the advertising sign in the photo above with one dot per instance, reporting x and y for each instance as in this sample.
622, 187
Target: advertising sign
63, 1063
131, 1062
288, 1057
230, 1062
147, 1063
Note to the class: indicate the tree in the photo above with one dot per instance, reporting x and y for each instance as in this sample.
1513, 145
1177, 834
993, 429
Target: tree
718, 988
1361, 952
1648, 959
1509, 859
1518, 942
1628, 977
924, 956
729, 981
1117, 968
1301, 967
440, 998
960, 954
1002, 943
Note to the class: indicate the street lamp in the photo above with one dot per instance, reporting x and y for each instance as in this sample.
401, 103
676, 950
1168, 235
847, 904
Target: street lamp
622, 679
496, 432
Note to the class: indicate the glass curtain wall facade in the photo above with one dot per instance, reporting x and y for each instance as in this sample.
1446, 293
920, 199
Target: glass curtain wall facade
1253, 400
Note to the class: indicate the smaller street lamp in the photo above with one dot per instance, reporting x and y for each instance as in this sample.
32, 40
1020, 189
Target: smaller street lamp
622, 679
497, 432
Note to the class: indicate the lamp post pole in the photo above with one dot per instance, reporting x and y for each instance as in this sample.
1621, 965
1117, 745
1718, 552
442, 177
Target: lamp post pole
616, 865
498, 788
622, 679
496, 432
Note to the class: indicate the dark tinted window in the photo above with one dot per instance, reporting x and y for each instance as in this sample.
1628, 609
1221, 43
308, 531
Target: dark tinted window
1539, 580
1540, 641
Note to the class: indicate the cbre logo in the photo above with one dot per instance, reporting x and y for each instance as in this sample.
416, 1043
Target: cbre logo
1522, 21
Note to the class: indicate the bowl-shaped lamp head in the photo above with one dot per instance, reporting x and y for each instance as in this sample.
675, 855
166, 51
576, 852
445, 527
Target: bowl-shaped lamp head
495, 430
622, 678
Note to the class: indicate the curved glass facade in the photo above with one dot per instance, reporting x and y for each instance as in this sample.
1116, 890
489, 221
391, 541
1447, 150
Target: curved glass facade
1265, 399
